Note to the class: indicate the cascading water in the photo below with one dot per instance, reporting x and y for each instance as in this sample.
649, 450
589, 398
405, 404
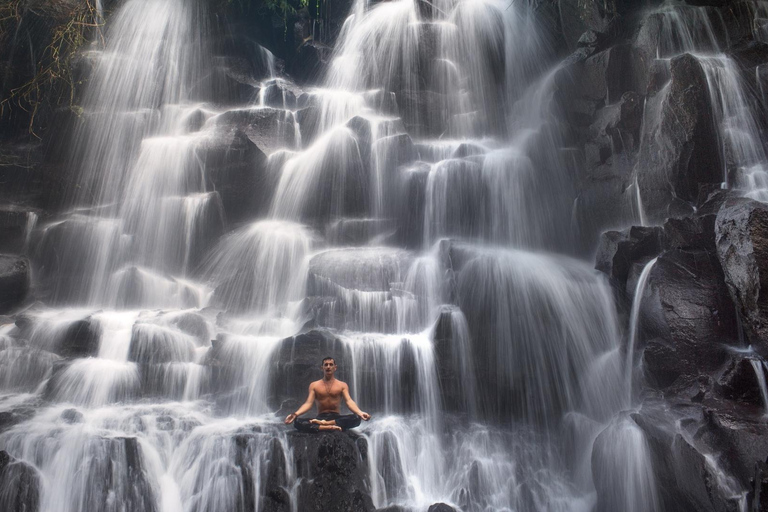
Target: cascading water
428, 125
696, 30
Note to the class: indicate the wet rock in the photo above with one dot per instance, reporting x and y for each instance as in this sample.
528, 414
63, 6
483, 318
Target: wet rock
236, 170
309, 124
195, 325
362, 129
117, 472
359, 231
265, 466
618, 250
14, 223
154, 344
685, 480
682, 153
81, 339
441, 507
195, 121
334, 471
576, 17
298, 362
424, 113
19, 485
688, 318
616, 129
309, 63
742, 246
363, 269
605, 76
268, 128
750, 54
760, 487
690, 233
72, 416
413, 185
740, 440
17, 415
231, 80
14, 281
739, 382
277, 94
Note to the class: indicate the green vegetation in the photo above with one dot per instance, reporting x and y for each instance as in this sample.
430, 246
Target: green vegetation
69, 25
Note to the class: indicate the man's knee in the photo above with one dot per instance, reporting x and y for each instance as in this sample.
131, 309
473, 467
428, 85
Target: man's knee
304, 425
348, 421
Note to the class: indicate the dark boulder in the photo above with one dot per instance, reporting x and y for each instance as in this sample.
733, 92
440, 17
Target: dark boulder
268, 128
117, 473
14, 282
441, 507
739, 381
740, 440
265, 465
760, 487
236, 169
603, 77
72, 416
309, 124
308, 65
690, 233
278, 94
742, 246
333, 470
297, 362
685, 479
682, 149
15, 221
81, 339
359, 268
357, 232
195, 325
750, 54
687, 317
155, 344
19, 485
576, 17
618, 250
424, 113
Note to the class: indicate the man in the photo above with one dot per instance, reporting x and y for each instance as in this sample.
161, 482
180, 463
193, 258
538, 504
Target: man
328, 392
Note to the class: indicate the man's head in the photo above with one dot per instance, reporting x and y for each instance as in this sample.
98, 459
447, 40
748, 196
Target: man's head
329, 367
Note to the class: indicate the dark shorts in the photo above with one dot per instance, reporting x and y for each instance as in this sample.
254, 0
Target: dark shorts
345, 421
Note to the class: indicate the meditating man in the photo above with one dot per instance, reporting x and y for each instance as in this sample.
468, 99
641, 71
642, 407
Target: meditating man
328, 392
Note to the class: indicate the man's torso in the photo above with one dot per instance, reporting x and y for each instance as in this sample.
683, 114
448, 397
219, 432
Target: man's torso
328, 396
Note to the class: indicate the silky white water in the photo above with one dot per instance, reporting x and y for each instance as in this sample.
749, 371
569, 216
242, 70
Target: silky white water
414, 228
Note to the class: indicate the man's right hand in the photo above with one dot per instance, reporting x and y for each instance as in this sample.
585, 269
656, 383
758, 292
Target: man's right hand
290, 418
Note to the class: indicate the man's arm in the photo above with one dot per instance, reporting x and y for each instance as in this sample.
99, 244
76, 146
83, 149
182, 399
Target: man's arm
305, 407
352, 405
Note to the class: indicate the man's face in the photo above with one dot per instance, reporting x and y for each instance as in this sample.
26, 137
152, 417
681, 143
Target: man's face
329, 367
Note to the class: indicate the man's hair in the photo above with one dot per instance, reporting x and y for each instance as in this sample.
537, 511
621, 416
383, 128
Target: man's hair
327, 358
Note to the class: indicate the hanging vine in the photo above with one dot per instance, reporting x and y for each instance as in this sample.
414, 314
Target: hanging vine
52, 79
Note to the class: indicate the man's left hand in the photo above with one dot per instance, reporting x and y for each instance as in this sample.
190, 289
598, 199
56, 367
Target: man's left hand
365, 416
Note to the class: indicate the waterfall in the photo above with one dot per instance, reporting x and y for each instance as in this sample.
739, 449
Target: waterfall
634, 316
411, 213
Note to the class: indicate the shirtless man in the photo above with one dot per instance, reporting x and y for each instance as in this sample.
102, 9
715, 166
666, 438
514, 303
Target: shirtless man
328, 392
